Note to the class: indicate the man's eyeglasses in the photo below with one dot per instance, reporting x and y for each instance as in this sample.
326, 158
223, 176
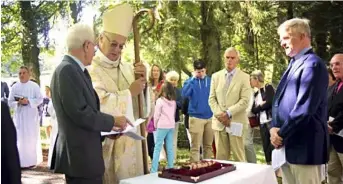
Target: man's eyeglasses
114, 44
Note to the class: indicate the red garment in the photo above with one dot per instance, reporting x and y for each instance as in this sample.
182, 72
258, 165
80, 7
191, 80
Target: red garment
159, 86
214, 149
340, 84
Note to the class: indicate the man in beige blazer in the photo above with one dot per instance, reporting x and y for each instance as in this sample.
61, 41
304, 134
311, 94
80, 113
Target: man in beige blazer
229, 98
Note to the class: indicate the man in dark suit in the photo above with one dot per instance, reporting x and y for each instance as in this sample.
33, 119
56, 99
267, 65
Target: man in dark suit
335, 112
5, 92
10, 166
300, 107
78, 149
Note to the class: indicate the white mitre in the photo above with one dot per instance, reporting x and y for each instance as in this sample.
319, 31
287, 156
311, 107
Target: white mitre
118, 20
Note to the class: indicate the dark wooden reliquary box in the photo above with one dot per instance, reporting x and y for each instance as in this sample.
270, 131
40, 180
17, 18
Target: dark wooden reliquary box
197, 172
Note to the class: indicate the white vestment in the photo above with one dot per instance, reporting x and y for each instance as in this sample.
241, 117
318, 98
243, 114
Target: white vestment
26, 122
122, 157
54, 130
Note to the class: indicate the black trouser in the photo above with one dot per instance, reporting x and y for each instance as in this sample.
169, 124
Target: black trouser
77, 180
151, 144
267, 146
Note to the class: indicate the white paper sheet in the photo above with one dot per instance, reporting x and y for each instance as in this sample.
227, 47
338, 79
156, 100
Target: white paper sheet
134, 135
235, 129
278, 158
323, 171
339, 133
128, 128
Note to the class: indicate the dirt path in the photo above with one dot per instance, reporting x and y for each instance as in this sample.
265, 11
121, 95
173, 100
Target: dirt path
41, 174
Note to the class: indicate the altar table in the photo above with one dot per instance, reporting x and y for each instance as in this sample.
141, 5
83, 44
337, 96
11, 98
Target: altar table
245, 173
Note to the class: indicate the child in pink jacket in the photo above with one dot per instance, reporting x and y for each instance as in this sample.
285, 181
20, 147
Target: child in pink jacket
164, 119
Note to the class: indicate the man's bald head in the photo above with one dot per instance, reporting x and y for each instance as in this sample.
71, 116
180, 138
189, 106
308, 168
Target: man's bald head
336, 65
337, 56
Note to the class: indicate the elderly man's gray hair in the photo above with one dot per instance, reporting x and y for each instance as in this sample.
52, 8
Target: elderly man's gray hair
78, 34
296, 25
258, 75
233, 49
172, 75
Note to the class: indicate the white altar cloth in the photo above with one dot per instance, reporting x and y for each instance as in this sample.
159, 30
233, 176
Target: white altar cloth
245, 173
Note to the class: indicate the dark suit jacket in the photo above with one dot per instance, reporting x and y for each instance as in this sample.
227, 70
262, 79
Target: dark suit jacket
300, 111
10, 164
178, 104
335, 107
184, 110
267, 94
78, 147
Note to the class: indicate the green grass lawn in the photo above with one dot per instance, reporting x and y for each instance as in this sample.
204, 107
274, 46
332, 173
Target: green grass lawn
44, 138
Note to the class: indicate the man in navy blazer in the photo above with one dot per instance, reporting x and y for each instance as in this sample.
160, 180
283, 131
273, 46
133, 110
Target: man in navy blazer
299, 111
335, 111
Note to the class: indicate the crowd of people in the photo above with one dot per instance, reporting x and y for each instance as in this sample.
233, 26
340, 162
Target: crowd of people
93, 92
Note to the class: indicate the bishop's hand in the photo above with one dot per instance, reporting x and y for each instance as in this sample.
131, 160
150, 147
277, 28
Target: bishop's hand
137, 86
140, 69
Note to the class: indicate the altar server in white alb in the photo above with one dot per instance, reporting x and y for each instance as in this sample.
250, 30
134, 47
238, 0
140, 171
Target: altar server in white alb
24, 98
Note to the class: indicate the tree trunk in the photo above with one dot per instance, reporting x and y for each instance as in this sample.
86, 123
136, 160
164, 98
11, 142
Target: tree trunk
75, 7
256, 51
290, 14
249, 36
30, 50
320, 39
175, 57
210, 37
281, 62
319, 29
336, 28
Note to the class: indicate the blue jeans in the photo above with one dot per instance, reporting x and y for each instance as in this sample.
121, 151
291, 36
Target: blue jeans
167, 136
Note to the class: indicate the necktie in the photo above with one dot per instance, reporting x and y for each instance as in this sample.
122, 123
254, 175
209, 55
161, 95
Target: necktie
97, 100
87, 75
291, 62
339, 86
228, 79
96, 95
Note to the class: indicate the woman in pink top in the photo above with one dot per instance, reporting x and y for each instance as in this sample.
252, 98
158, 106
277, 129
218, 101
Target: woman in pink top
164, 119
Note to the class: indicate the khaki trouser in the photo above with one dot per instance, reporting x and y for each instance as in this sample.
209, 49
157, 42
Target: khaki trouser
226, 143
200, 130
301, 174
335, 167
250, 153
